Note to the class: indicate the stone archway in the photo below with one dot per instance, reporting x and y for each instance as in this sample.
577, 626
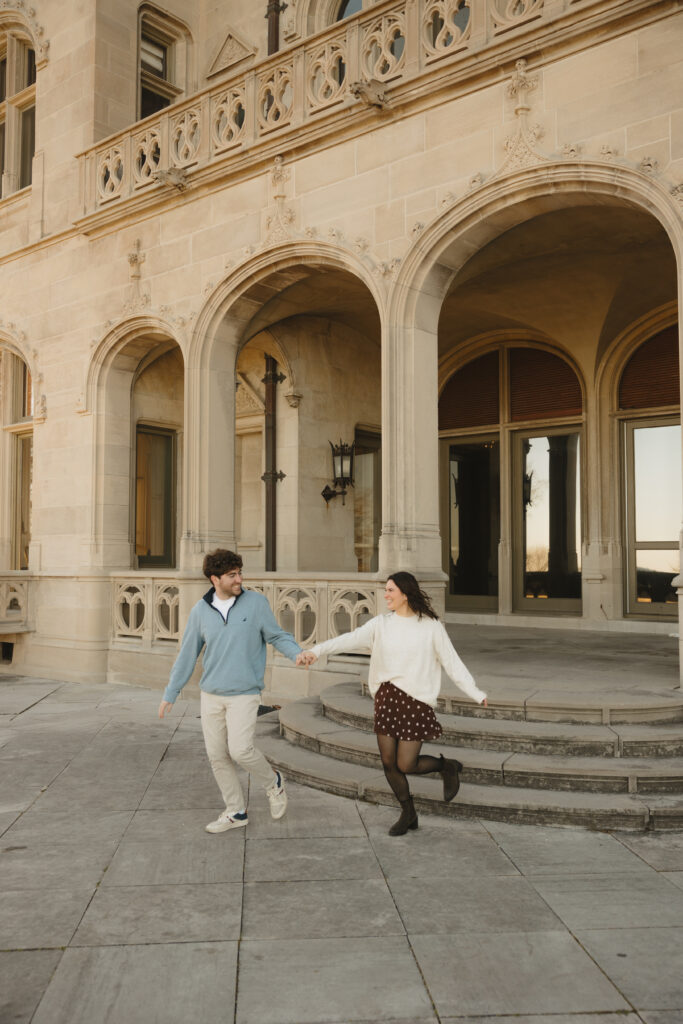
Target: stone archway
127, 384
439, 255
290, 294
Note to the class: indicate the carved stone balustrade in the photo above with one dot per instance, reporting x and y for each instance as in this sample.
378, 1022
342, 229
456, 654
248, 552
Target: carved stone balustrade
312, 607
146, 610
14, 596
363, 60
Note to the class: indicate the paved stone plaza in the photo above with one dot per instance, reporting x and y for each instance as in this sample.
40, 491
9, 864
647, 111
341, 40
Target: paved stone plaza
117, 907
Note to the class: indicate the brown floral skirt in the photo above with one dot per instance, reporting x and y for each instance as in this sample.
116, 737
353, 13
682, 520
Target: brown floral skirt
403, 717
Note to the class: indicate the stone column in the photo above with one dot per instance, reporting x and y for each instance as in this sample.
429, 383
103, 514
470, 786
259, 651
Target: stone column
208, 506
410, 466
678, 580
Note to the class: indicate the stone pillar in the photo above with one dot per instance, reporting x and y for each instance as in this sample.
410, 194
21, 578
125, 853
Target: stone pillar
678, 580
208, 506
410, 465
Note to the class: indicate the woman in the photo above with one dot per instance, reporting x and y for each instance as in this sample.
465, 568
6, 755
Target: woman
407, 649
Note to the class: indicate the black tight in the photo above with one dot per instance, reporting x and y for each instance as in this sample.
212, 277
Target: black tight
401, 758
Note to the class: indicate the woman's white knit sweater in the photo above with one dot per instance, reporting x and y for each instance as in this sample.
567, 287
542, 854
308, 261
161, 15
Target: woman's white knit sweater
407, 651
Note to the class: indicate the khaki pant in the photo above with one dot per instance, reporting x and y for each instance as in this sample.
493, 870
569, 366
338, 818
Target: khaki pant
228, 725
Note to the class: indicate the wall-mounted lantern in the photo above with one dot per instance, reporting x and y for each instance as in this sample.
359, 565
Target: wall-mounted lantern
342, 471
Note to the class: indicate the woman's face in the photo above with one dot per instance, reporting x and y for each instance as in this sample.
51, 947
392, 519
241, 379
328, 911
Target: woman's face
395, 598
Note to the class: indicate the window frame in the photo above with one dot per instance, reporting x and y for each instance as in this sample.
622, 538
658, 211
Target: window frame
16, 163
164, 30
506, 431
630, 421
16, 417
169, 558
520, 602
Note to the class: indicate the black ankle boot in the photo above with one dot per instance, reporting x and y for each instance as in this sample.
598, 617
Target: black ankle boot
408, 819
449, 772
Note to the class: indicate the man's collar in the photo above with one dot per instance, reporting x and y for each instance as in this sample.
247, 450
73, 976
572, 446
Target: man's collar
208, 596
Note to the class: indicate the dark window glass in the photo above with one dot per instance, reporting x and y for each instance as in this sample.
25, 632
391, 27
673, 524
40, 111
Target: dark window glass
474, 518
367, 497
24, 499
152, 102
155, 498
470, 398
3, 79
30, 67
542, 385
651, 376
2, 148
28, 146
349, 7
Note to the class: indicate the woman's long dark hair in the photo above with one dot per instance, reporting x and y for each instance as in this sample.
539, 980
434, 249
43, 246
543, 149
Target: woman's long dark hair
418, 601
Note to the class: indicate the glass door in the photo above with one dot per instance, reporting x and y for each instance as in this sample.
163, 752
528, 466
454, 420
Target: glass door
473, 523
653, 516
547, 522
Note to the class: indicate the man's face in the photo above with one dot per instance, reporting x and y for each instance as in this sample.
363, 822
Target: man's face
229, 584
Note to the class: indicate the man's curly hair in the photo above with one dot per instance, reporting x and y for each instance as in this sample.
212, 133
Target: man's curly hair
219, 561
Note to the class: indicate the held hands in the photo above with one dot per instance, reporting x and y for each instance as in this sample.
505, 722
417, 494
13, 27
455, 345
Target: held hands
164, 707
306, 658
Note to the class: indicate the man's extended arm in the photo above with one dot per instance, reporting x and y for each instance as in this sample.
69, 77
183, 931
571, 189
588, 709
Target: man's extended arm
183, 666
273, 633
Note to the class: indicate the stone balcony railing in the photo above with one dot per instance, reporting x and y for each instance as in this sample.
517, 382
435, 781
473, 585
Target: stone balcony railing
361, 60
14, 593
311, 607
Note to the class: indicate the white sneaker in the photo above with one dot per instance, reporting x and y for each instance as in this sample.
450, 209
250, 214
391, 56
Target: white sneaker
277, 796
226, 820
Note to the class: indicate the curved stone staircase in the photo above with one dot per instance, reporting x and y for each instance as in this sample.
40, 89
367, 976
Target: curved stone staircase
608, 762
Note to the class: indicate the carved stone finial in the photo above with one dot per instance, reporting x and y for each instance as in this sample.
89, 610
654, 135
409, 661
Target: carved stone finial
387, 268
648, 165
521, 83
608, 152
279, 174
571, 150
135, 259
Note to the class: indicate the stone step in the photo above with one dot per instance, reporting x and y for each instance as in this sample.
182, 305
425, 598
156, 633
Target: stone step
305, 725
496, 803
343, 703
533, 704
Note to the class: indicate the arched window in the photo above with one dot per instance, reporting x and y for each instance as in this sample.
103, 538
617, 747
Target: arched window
510, 425
648, 398
17, 111
349, 7
16, 460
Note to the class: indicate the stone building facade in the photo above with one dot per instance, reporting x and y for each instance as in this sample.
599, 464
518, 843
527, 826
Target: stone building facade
447, 234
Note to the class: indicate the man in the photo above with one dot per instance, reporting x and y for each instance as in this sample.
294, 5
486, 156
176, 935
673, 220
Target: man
233, 626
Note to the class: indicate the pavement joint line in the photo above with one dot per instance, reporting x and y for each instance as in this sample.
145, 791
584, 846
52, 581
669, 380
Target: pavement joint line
400, 916
238, 958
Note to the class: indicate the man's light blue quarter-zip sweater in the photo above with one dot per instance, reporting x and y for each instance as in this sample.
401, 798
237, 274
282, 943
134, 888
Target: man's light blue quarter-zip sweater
234, 649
